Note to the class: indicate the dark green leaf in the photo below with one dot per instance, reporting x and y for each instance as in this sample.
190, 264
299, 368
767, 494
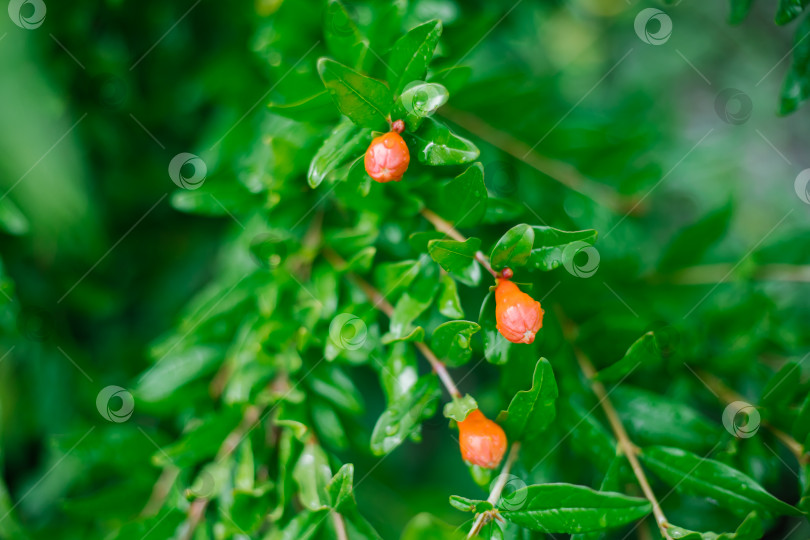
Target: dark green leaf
796, 87
749, 529
553, 247
496, 347
531, 411
782, 387
411, 54
643, 350
437, 145
412, 304
464, 198
739, 10
566, 508
403, 418
458, 258
449, 303
514, 248
459, 407
365, 100
452, 342
343, 39
346, 139
691, 243
318, 107
801, 427
788, 10
691, 473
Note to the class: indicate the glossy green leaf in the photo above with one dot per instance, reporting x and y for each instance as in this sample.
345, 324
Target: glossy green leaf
470, 505
643, 351
458, 258
418, 101
343, 143
796, 87
366, 101
514, 248
749, 529
412, 304
399, 372
312, 474
403, 417
340, 489
459, 407
343, 39
566, 508
452, 342
411, 54
690, 473
448, 302
435, 144
553, 247
358, 178
463, 200
789, 10
531, 411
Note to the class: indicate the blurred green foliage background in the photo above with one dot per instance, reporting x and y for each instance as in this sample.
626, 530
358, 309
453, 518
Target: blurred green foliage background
100, 254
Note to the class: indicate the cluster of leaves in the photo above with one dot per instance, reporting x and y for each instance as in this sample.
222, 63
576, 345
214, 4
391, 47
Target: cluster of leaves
282, 377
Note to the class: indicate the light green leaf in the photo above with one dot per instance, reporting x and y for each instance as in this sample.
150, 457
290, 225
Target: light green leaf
459, 407
411, 54
458, 258
531, 411
566, 508
12, 219
412, 304
553, 247
343, 39
365, 100
427, 527
346, 140
463, 200
358, 177
449, 302
175, 370
312, 474
403, 418
470, 505
452, 342
514, 248
398, 374
749, 529
690, 473
418, 101
435, 144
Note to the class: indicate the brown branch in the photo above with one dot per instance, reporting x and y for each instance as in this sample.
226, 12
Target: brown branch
340, 526
628, 448
728, 395
383, 305
497, 489
445, 227
559, 171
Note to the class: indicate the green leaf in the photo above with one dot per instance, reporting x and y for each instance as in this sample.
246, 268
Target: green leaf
514, 248
566, 508
436, 145
463, 200
176, 369
739, 11
643, 350
412, 304
312, 474
531, 411
304, 526
652, 419
391, 278
690, 473
788, 10
339, 489
459, 407
403, 418
749, 529
333, 384
470, 505
411, 54
796, 87
398, 374
317, 107
458, 258
452, 342
801, 427
782, 387
553, 247
327, 424
691, 243
427, 527
418, 101
589, 438
358, 177
343, 39
449, 302
366, 101
419, 240
496, 347
344, 141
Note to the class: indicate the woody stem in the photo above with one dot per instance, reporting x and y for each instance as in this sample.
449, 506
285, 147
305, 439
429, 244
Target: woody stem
383, 305
497, 489
447, 228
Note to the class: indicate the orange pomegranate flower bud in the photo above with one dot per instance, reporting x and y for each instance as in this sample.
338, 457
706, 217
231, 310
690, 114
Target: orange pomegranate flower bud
387, 157
518, 316
482, 441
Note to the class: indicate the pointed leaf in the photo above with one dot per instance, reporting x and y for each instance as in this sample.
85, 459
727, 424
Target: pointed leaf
460, 407
365, 100
411, 54
464, 199
449, 302
643, 350
531, 411
458, 258
435, 144
552, 247
403, 417
451, 341
514, 248
344, 142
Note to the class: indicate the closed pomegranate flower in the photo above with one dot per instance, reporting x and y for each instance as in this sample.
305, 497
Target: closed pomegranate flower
387, 157
518, 316
482, 441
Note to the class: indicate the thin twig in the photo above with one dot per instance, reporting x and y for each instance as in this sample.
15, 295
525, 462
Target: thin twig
340, 526
447, 228
497, 489
560, 171
728, 395
383, 305
628, 448
160, 491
